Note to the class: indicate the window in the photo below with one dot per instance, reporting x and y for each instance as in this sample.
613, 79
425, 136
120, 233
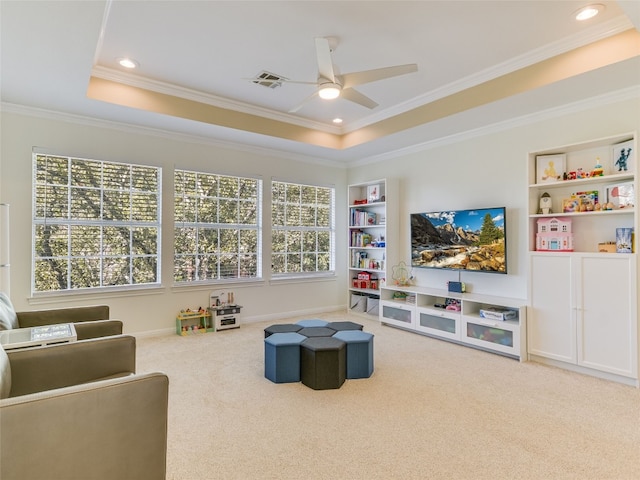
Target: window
217, 227
303, 229
95, 224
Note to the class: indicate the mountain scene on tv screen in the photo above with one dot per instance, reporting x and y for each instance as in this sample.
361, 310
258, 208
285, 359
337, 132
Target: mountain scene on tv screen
463, 240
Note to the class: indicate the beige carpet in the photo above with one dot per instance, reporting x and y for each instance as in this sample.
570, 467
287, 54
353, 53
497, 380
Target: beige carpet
431, 410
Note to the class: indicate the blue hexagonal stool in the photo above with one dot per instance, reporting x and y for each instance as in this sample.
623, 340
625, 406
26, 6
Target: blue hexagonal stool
359, 352
315, 322
282, 357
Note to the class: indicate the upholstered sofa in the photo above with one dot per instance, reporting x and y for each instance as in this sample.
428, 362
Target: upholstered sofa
79, 411
89, 322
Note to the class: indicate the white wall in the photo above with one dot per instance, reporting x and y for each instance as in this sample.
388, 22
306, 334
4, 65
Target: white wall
156, 310
490, 170
483, 170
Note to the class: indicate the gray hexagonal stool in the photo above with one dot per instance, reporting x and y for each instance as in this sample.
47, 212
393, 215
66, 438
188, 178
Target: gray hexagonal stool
281, 328
323, 362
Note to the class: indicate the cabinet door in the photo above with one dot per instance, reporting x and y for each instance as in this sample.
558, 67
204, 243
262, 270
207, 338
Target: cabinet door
551, 322
606, 329
397, 313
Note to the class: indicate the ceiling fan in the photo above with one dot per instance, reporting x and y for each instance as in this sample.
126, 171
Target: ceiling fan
331, 85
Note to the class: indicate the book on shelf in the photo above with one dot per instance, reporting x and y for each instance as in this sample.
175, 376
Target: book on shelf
362, 218
360, 238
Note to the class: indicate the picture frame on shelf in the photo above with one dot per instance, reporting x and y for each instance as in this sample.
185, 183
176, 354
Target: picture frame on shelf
550, 168
621, 195
623, 157
373, 193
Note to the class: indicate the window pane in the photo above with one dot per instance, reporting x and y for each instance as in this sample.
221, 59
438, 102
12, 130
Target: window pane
115, 271
115, 241
208, 240
184, 268
117, 205
145, 270
85, 240
144, 241
228, 211
50, 275
51, 240
144, 207
85, 272
85, 173
228, 266
185, 240
207, 210
207, 267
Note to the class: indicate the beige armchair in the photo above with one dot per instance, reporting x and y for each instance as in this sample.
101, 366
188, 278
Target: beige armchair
89, 322
79, 411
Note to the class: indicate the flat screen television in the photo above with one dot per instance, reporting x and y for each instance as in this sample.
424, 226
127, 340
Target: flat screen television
470, 240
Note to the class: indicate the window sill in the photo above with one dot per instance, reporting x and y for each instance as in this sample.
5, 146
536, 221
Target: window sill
283, 280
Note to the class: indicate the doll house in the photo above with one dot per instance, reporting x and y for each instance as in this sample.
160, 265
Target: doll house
554, 234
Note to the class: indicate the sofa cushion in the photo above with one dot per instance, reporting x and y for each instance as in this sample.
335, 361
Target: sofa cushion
8, 317
5, 374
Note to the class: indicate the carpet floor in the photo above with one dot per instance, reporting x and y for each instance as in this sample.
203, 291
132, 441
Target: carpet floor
431, 410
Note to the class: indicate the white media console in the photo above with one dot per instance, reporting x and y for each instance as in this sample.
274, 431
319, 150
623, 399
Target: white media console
421, 310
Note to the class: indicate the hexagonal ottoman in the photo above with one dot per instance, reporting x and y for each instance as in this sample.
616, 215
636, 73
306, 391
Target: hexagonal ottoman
359, 352
323, 362
282, 357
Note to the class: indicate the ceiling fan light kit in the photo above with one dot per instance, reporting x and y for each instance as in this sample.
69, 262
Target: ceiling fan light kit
329, 91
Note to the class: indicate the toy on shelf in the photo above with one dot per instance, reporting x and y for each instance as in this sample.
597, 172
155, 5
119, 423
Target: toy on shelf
190, 322
401, 275
597, 171
554, 234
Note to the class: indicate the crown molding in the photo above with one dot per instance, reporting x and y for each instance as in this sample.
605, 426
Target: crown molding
574, 107
599, 32
166, 134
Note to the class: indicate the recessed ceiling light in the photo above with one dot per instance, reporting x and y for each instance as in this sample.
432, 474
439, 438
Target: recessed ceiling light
337, 120
590, 11
128, 63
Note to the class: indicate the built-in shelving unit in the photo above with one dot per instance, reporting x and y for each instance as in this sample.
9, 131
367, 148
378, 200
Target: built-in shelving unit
369, 235
583, 301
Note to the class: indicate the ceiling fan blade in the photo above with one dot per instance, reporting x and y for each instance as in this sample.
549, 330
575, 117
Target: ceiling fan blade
357, 97
325, 64
304, 102
359, 78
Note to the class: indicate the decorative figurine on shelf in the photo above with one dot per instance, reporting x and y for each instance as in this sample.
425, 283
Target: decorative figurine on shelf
401, 275
597, 171
621, 161
545, 204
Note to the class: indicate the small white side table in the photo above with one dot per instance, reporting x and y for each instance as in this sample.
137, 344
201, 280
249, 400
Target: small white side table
35, 336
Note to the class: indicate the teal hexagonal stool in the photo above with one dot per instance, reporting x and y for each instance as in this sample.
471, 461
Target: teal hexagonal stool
282, 357
359, 352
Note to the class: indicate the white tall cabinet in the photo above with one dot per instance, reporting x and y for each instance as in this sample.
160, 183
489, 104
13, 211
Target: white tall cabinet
583, 304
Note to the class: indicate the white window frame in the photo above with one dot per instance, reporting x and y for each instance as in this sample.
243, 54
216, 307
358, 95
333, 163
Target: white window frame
299, 227
42, 185
182, 259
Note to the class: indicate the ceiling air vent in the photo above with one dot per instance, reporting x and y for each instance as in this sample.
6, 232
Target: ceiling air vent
269, 80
